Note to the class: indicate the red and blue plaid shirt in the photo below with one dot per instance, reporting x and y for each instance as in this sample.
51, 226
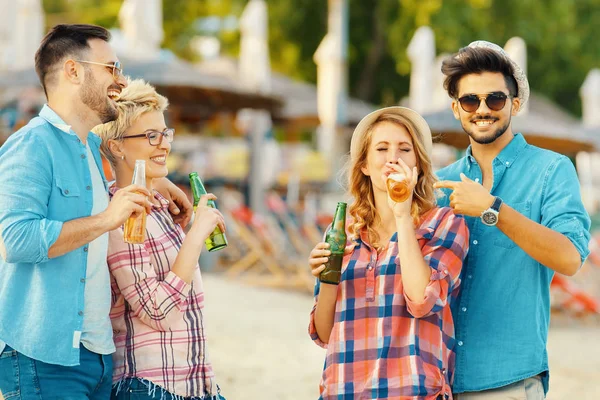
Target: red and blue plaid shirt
383, 345
157, 317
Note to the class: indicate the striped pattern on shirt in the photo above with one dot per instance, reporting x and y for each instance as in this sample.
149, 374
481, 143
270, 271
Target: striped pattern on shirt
157, 318
383, 345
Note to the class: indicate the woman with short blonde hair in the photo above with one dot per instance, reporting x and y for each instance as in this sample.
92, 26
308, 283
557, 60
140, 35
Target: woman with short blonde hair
387, 325
157, 289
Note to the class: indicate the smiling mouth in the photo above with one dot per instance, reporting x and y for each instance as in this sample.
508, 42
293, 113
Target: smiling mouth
114, 95
484, 122
159, 159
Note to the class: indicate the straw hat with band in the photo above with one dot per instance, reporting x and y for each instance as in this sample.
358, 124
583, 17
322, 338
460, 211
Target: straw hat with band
412, 116
518, 74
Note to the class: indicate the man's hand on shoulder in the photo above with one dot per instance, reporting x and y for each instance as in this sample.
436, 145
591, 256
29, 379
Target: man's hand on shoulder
180, 206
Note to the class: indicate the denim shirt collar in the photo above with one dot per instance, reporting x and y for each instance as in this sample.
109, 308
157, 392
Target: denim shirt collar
54, 119
508, 154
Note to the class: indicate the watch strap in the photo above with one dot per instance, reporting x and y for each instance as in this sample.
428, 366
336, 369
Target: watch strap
496, 204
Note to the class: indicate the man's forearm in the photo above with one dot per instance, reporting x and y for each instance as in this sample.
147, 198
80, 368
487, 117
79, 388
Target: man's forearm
548, 247
78, 232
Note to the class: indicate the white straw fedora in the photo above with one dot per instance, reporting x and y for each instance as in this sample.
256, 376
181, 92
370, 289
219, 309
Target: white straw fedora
518, 74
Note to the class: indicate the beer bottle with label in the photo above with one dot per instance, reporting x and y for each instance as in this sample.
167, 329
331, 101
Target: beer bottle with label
336, 237
217, 239
135, 226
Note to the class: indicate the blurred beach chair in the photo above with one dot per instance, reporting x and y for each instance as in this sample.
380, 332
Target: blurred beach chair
267, 258
289, 222
568, 294
576, 300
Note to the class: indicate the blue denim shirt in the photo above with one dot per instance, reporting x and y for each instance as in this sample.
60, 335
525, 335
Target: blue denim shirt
503, 311
44, 181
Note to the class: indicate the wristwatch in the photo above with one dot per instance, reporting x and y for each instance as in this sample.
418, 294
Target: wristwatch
490, 216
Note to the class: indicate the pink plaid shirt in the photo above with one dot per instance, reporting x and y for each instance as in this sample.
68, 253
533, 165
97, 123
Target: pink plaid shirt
383, 345
157, 318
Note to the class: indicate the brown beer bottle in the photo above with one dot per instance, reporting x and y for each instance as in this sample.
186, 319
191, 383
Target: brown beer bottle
336, 237
135, 226
397, 185
217, 239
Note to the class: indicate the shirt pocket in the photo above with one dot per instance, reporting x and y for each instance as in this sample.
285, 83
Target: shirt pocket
66, 187
501, 239
65, 202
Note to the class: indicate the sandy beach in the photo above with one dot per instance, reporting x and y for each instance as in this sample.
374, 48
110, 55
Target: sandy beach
260, 348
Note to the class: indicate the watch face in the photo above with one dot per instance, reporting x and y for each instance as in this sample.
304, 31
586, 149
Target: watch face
489, 218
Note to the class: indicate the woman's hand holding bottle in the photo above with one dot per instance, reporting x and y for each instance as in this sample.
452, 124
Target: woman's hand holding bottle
206, 218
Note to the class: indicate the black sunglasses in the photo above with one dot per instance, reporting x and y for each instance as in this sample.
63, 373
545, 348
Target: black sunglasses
155, 137
495, 101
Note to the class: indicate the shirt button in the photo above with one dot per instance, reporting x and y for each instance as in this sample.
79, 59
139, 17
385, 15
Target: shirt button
475, 242
507, 163
66, 191
88, 187
369, 267
470, 276
464, 309
83, 156
82, 280
460, 343
477, 180
85, 249
80, 313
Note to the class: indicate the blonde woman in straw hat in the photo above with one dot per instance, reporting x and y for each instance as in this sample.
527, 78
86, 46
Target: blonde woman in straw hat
387, 326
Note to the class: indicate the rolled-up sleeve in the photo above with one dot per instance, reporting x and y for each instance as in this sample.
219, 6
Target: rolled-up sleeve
562, 208
26, 234
157, 303
444, 252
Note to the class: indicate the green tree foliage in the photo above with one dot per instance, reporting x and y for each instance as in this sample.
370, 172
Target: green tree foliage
561, 36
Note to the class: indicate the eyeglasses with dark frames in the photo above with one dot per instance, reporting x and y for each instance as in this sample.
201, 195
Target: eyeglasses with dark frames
495, 101
155, 137
116, 68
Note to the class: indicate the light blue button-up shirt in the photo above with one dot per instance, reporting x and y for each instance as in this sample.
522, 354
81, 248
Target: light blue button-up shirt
44, 181
503, 311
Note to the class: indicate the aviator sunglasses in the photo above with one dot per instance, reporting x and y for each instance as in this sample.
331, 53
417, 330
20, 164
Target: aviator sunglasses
116, 68
495, 101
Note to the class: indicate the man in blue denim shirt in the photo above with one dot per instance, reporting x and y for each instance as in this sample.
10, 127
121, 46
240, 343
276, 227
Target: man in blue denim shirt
55, 331
526, 222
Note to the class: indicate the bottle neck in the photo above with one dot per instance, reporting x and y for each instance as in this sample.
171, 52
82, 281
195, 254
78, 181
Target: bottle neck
339, 220
197, 190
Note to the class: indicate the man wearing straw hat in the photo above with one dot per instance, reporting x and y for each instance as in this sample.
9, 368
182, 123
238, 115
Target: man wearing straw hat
526, 222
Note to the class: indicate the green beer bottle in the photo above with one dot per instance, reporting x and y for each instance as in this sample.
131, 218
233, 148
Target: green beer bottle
216, 240
336, 237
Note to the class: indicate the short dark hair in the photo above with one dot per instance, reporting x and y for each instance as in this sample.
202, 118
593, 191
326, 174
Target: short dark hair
64, 40
470, 60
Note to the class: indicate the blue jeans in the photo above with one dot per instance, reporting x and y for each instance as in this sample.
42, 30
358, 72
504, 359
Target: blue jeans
23, 378
134, 389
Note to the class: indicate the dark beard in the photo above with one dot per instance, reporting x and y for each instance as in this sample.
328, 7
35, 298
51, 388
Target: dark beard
490, 138
96, 100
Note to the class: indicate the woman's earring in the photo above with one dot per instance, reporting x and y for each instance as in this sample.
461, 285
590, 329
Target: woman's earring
122, 157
